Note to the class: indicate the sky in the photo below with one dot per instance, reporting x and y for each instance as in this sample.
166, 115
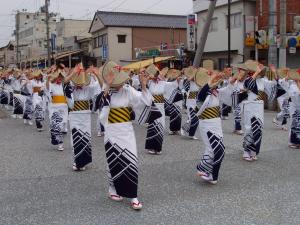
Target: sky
85, 9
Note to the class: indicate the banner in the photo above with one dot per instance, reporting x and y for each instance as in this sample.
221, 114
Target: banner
191, 32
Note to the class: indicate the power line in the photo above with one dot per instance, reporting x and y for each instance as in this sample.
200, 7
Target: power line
119, 5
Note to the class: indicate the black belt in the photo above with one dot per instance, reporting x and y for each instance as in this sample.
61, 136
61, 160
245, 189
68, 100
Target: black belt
17, 92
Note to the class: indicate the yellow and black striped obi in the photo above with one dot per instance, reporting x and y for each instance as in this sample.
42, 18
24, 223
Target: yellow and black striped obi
193, 95
119, 115
158, 98
260, 95
81, 105
210, 113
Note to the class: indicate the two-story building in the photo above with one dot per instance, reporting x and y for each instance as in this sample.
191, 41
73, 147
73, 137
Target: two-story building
7, 55
216, 47
125, 37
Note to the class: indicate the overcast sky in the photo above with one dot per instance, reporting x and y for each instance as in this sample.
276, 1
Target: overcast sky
84, 9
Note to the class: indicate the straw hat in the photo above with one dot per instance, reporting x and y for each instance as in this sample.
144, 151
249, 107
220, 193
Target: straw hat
252, 65
294, 74
173, 74
190, 72
36, 73
241, 66
56, 74
121, 75
17, 74
282, 72
164, 72
152, 70
81, 79
202, 77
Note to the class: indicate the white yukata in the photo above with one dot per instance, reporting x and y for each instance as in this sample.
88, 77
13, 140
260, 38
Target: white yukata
38, 88
282, 97
80, 124
294, 93
155, 130
18, 99
253, 113
58, 113
4, 94
190, 127
26, 90
119, 139
173, 105
210, 128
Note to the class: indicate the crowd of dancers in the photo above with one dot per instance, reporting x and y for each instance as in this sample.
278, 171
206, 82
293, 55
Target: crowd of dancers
120, 96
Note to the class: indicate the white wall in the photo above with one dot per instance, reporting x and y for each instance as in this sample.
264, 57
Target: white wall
217, 40
119, 51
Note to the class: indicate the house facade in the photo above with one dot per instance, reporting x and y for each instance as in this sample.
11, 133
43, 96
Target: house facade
126, 37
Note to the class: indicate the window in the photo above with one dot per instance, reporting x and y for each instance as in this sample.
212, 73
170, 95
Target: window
213, 25
100, 41
235, 20
95, 42
121, 38
27, 16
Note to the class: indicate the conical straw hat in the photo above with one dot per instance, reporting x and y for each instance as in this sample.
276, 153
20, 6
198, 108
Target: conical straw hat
152, 70
190, 72
202, 77
173, 74
81, 79
121, 75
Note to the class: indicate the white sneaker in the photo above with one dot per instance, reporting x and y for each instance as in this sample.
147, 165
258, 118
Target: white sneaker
284, 127
225, 118
194, 138
14, 116
25, 121
40, 129
30, 122
60, 147
19, 116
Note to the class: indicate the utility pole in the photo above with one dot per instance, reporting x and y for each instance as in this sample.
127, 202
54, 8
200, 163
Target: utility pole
48, 32
229, 34
203, 38
17, 36
272, 56
282, 50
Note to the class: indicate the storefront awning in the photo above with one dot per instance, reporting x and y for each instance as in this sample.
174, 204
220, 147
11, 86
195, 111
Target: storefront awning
147, 62
66, 54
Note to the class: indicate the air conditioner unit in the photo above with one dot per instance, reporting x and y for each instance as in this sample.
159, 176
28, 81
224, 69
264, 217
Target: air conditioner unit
297, 23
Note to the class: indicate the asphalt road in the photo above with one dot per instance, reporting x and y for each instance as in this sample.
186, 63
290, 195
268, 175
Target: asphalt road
38, 186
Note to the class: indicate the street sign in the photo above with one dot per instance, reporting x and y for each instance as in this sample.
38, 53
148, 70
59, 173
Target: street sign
191, 32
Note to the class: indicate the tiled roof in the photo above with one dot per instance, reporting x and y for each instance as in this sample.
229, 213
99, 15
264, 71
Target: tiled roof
123, 19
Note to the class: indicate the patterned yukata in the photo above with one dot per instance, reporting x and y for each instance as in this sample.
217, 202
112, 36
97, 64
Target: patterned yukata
118, 110
210, 128
190, 127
